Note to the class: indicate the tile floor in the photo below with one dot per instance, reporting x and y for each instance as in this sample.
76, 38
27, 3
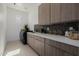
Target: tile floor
16, 48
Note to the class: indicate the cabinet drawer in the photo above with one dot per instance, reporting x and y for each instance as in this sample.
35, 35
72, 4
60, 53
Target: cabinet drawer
65, 47
37, 43
39, 38
39, 47
50, 42
35, 37
49, 50
68, 48
30, 35
53, 51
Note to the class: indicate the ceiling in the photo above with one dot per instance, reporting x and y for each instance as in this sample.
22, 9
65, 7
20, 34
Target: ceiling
28, 5
23, 6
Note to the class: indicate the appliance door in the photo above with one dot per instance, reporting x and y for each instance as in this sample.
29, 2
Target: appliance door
23, 37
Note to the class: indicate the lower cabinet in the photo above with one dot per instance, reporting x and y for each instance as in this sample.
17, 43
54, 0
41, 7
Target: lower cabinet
36, 44
49, 51
53, 51
47, 47
30, 41
39, 47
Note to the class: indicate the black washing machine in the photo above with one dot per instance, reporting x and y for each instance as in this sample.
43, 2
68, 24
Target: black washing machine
23, 36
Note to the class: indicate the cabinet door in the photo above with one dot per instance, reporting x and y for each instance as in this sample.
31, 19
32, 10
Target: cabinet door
49, 51
36, 44
66, 54
77, 10
30, 41
54, 51
55, 13
39, 48
60, 52
68, 12
44, 14
74, 16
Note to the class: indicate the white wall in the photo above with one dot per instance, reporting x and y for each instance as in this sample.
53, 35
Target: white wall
30, 17
3, 15
16, 21
33, 17
18, 6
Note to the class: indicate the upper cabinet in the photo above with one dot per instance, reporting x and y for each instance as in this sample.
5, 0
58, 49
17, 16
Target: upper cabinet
58, 12
77, 11
68, 12
74, 17
44, 14
55, 13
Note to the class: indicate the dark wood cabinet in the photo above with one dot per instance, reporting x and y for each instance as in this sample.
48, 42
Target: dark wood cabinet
39, 47
30, 41
66, 13
36, 44
59, 48
44, 14
49, 51
50, 13
54, 51
69, 12
48, 47
55, 12
74, 17
77, 11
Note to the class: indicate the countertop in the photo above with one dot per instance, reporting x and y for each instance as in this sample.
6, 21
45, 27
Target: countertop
58, 38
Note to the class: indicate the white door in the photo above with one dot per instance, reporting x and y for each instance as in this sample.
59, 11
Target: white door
15, 18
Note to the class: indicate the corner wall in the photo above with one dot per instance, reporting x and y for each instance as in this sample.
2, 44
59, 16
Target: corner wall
3, 18
33, 17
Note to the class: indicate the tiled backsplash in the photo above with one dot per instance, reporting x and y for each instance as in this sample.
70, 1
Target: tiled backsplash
59, 28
